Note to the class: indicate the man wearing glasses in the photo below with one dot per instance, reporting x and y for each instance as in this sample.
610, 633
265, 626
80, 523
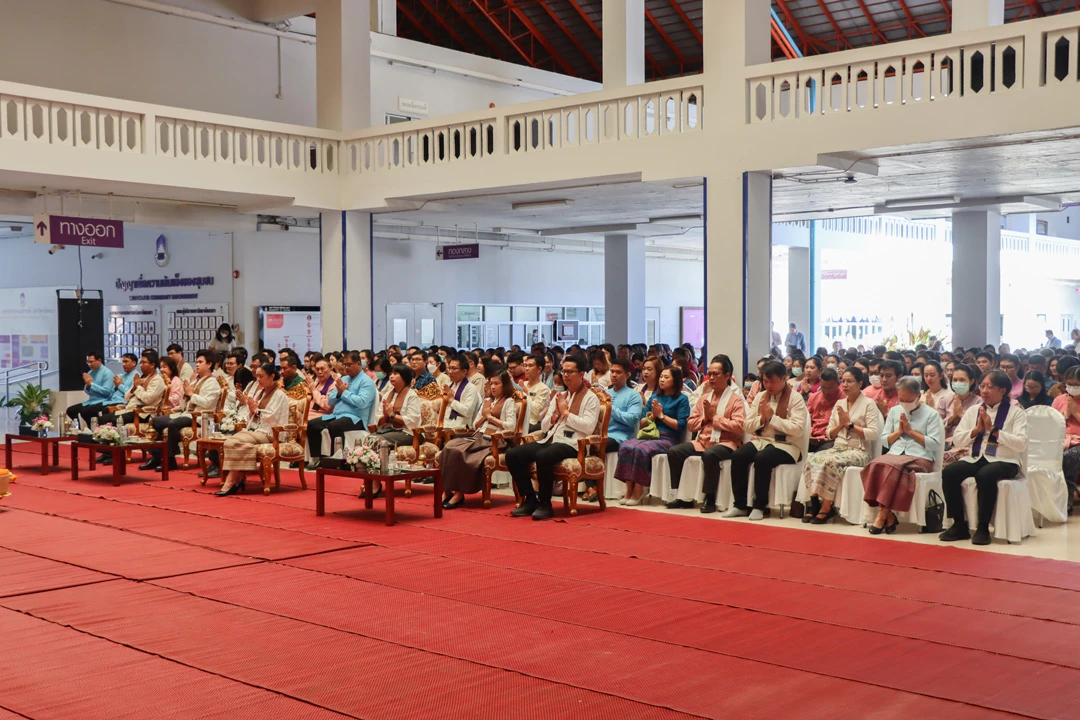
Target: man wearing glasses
1010, 365
351, 400
570, 416
539, 393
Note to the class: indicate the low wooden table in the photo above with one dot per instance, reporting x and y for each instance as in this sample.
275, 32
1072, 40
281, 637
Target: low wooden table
370, 478
119, 457
205, 445
45, 443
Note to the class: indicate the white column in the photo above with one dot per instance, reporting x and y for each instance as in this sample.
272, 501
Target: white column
624, 289
346, 280
798, 292
384, 17
975, 14
624, 43
976, 279
343, 64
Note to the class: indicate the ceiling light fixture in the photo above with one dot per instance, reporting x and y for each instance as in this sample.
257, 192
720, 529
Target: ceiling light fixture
684, 186
536, 204
920, 202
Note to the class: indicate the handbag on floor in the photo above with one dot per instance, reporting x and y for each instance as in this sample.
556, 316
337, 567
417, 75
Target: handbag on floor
935, 513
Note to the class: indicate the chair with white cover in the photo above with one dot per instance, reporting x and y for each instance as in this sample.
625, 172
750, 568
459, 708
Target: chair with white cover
1046, 481
848, 500
352, 437
661, 471
1013, 519
785, 480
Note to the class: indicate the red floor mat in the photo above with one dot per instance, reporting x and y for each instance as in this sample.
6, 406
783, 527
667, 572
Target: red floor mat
21, 573
104, 549
345, 672
684, 678
56, 672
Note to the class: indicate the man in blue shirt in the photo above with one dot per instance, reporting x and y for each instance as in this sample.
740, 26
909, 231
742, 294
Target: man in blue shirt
795, 341
99, 388
626, 406
418, 363
122, 382
352, 399
1052, 342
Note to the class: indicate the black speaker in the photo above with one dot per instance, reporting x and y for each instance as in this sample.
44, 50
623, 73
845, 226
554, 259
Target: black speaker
82, 329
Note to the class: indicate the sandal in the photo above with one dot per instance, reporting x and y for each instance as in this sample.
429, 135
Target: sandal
590, 495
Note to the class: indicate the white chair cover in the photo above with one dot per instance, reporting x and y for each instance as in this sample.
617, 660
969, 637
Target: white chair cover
352, 437
785, 480
1046, 481
661, 473
849, 495
611, 490
1013, 519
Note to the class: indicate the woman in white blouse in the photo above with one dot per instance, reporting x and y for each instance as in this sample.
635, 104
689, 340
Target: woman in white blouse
399, 409
853, 427
265, 408
462, 458
935, 384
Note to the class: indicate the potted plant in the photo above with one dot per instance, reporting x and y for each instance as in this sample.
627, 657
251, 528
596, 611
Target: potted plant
32, 402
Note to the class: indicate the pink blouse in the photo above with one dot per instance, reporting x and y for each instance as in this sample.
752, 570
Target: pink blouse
176, 393
1072, 425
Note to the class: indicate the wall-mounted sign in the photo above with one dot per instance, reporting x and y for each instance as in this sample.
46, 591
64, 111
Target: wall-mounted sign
88, 232
567, 330
834, 274
412, 107
161, 251
469, 251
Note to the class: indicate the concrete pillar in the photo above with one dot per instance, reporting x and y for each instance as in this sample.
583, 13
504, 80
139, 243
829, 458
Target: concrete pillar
624, 289
799, 292
976, 279
346, 280
624, 43
975, 14
343, 64
384, 17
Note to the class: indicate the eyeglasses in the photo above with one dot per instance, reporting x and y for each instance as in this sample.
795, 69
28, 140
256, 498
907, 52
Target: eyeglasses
713, 374
571, 372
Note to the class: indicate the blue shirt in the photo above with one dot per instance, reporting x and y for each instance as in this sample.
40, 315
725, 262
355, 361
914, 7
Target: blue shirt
101, 386
924, 420
118, 394
625, 414
356, 402
676, 406
423, 380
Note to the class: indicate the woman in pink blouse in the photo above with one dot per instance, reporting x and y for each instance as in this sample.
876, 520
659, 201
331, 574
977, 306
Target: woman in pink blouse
320, 387
174, 400
1068, 404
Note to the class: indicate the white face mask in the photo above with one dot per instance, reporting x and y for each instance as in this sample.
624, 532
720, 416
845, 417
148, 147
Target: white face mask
797, 372
909, 406
832, 366
1073, 390
875, 380
432, 368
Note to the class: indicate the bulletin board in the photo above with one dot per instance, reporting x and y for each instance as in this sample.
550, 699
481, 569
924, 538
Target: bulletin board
193, 326
296, 327
132, 329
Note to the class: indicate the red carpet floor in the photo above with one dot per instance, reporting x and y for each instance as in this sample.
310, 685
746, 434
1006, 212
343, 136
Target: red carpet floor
158, 600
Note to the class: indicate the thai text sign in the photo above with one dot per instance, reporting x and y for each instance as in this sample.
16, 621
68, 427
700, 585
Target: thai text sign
88, 232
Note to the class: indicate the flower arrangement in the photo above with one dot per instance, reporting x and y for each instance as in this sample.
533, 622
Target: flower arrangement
363, 457
228, 423
107, 435
41, 423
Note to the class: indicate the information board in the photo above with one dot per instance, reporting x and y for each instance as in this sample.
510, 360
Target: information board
193, 326
299, 328
132, 329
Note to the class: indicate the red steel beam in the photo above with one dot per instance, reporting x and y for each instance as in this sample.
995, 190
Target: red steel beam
873, 23
419, 25
807, 41
539, 37
911, 23
443, 24
832, 21
1035, 8
506, 35
689, 23
667, 39
480, 33
592, 26
573, 38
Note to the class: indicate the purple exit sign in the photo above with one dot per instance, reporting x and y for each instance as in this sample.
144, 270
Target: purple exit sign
87, 232
458, 252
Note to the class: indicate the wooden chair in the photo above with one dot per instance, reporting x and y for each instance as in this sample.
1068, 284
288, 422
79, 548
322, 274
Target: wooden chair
428, 437
496, 462
585, 466
291, 449
188, 435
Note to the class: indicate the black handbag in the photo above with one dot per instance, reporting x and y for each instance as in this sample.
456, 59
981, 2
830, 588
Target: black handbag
935, 513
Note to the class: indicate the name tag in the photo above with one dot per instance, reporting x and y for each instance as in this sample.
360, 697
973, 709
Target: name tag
991, 450
568, 433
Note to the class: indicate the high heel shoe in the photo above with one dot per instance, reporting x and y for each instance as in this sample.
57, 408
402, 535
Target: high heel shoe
812, 509
890, 529
238, 487
818, 520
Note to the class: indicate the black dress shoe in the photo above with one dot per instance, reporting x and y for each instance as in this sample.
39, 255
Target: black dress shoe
544, 512
526, 509
151, 464
107, 460
447, 505
238, 487
709, 506
981, 536
679, 504
173, 467
958, 531
313, 464
213, 472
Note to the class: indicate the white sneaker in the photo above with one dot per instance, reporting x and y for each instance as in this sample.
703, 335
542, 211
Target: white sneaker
634, 501
756, 514
734, 512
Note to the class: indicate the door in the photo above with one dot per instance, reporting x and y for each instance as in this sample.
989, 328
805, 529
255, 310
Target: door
652, 325
418, 324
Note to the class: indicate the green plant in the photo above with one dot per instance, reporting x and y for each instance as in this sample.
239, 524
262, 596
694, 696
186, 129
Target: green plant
32, 401
918, 337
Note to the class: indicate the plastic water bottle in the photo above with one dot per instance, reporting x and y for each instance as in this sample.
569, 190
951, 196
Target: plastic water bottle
93, 424
338, 443
384, 457
123, 432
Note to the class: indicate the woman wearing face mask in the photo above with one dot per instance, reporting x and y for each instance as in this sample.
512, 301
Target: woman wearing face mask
367, 363
952, 407
832, 362
1064, 364
810, 382
748, 383
382, 376
1068, 404
795, 372
934, 384
1034, 391
913, 435
437, 368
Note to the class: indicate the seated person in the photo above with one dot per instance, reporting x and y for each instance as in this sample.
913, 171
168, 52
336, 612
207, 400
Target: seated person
717, 418
122, 383
913, 435
1069, 406
203, 393
935, 386
1064, 364
986, 361
146, 393
571, 416
291, 378
996, 432
183, 369
600, 375
820, 406
99, 386
953, 406
515, 365
475, 373
418, 363
777, 420
668, 410
1034, 392
625, 414
461, 396
536, 389
320, 383
884, 394
853, 426
810, 379
351, 401
383, 367
462, 458
437, 367
174, 393
749, 381
399, 410
263, 410
1010, 365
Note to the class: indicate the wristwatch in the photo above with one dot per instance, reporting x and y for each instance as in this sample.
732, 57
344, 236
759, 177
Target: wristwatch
850, 426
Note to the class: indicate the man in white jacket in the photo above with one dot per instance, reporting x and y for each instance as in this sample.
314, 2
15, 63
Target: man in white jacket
996, 432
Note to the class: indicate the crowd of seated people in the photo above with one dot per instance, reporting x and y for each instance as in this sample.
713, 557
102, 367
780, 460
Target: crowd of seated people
967, 404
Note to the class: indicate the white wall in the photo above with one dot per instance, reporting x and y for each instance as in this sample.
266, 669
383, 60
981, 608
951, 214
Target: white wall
407, 271
275, 269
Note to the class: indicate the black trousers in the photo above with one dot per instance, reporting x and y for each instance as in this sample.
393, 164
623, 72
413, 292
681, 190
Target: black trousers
86, 411
124, 416
546, 456
986, 476
337, 427
710, 459
764, 462
170, 428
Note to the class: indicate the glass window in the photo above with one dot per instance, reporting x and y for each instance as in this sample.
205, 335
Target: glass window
551, 314
596, 314
527, 314
497, 313
463, 336
470, 313
576, 313
476, 337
